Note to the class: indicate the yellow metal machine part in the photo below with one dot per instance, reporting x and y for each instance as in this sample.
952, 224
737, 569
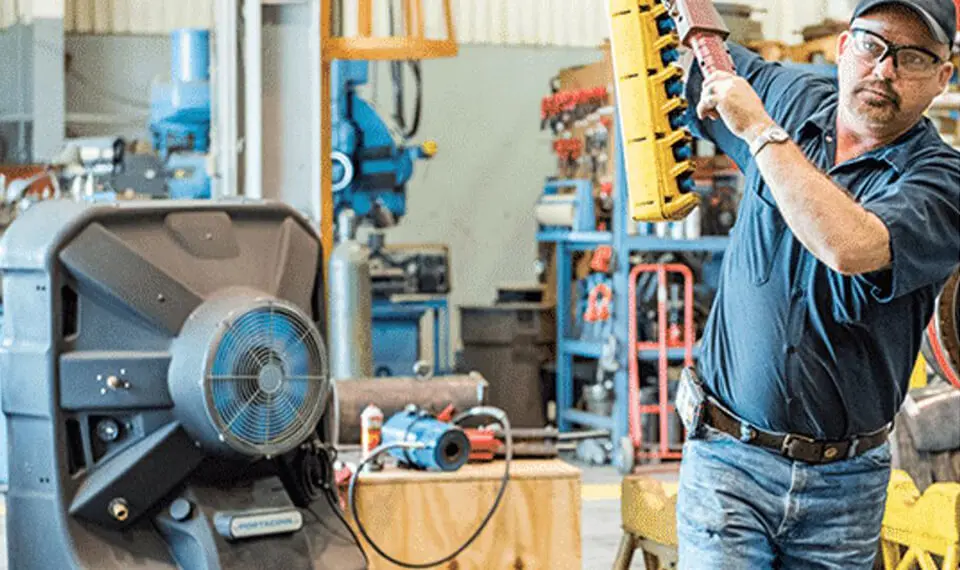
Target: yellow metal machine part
658, 176
918, 527
919, 530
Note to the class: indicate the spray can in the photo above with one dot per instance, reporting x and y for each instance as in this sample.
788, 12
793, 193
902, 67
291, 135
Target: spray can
371, 433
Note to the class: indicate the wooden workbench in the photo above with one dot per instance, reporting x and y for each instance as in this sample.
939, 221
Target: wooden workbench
419, 517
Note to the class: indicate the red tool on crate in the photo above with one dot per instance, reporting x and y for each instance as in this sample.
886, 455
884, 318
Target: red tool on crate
664, 408
483, 442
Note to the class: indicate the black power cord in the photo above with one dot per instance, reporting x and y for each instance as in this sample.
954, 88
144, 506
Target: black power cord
396, 72
333, 498
483, 411
398, 89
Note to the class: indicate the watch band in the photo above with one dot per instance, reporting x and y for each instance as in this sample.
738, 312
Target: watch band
772, 134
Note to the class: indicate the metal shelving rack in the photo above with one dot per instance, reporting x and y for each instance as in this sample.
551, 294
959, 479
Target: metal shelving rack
623, 244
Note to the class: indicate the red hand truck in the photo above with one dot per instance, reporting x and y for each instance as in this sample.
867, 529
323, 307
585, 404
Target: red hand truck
664, 408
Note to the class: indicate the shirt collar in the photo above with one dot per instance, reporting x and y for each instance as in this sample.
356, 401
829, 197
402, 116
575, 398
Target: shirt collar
896, 154
823, 121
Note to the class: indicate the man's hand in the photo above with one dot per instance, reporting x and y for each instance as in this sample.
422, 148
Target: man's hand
733, 99
828, 222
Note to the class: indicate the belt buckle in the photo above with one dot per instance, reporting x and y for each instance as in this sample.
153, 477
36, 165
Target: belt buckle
790, 448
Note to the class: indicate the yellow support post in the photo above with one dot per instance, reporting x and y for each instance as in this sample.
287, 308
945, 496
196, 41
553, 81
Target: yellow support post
411, 44
326, 142
364, 18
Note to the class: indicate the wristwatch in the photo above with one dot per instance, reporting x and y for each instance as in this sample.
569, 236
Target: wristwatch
772, 134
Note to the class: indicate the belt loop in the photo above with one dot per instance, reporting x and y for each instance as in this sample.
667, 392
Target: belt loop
854, 446
747, 433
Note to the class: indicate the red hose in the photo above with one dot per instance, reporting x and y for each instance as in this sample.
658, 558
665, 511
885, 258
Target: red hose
939, 355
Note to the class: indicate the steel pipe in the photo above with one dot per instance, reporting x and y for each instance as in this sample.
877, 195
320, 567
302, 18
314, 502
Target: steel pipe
392, 395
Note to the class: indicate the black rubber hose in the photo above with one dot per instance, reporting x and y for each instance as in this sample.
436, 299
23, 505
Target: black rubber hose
483, 411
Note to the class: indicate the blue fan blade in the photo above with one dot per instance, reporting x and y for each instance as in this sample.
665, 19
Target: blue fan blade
224, 393
298, 388
248, 424
297, 361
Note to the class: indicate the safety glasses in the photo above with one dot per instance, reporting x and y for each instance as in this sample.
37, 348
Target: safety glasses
910, 61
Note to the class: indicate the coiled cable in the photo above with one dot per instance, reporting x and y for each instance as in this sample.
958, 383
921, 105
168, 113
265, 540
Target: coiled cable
481, 411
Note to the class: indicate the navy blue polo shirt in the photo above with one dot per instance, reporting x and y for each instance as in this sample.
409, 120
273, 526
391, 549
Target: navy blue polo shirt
791, 345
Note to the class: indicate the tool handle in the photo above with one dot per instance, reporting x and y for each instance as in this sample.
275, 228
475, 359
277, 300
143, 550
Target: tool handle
701, 28
711, 53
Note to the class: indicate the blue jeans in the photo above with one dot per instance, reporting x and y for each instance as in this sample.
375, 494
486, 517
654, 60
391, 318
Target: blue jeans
740, 506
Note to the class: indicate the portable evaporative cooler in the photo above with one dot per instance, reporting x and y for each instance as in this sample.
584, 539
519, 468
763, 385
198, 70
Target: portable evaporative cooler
165, 389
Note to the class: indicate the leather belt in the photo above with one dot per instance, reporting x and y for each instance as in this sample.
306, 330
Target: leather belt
793, 446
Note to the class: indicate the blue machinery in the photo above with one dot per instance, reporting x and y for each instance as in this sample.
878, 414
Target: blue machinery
396, 335
180, 115
445, 447
570, 240
370, 167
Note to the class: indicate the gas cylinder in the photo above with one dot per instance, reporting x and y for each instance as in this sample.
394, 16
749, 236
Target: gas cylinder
351, 305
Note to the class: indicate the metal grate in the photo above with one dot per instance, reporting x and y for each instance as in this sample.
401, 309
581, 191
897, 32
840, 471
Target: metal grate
268, 379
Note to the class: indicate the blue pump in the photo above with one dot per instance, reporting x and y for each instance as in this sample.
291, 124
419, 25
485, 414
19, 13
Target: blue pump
444, 447
370, 166
180, 115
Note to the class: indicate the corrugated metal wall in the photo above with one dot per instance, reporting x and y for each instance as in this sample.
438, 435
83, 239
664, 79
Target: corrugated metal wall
574, 23
570, 23
501, 22
135, 16
13, 12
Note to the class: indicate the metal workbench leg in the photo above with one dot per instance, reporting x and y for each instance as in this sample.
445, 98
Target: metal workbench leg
564, 359
445, 339
441, 338
623, 459
628, 545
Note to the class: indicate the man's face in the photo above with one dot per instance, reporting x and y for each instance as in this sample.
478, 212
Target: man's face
880, 95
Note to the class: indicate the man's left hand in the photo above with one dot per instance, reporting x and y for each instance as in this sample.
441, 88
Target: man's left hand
732, 98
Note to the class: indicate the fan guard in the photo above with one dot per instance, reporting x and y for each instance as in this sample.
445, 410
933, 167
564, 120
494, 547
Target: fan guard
264, 381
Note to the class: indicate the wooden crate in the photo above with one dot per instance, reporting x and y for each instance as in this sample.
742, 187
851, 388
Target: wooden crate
419, 517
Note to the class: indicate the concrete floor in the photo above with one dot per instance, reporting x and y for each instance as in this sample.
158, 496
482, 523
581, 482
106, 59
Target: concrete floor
600, 514
600, 519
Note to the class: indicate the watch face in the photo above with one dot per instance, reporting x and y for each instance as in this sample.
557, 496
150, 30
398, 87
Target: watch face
780, 135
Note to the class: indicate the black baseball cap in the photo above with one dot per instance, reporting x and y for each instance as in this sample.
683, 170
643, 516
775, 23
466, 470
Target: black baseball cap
939, 15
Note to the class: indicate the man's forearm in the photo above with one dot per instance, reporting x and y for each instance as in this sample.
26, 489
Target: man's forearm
827, 221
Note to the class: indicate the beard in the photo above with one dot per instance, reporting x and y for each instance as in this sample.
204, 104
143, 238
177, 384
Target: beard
876, 101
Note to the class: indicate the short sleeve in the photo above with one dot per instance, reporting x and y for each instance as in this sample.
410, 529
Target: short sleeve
790, 95
922, 214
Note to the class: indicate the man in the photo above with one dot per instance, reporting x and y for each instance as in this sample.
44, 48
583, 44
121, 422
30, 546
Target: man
848, 229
